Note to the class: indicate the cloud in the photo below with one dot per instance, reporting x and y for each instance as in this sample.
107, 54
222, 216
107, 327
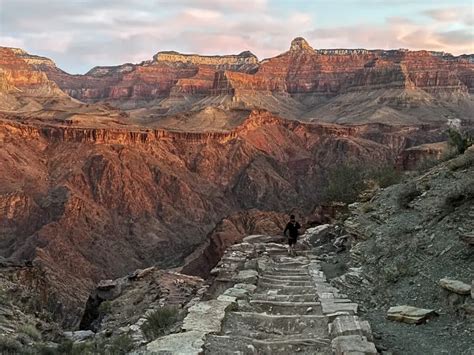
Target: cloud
80, 34
7, 41
460, 14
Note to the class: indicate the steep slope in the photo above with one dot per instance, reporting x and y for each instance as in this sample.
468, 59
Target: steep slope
84, 204
407, 238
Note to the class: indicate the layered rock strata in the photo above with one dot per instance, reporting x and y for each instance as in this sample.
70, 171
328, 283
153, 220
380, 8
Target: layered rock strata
404, 86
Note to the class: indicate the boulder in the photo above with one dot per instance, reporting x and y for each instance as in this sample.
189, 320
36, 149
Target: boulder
350, 325
236, 292
248, 287
409, 314
353, 344
187, 343
455, 286
79, 335
246, 276
258, 238
206, 316
106, 285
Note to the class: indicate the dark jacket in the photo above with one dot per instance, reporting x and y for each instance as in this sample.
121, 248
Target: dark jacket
292, 229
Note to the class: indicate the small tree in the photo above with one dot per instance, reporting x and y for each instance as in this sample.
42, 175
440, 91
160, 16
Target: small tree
344, 183
459, 141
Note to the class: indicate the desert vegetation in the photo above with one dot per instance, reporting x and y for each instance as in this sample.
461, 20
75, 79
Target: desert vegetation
344, 183
159, 321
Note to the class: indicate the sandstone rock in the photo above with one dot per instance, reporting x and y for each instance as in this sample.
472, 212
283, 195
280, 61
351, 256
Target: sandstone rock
350, 325
249, 287
106, 285
206, 316
409, 314
455, 286
236, 292
79, 335
353, 344
258, 238
246, 276
330, 306
227, 298
186, 343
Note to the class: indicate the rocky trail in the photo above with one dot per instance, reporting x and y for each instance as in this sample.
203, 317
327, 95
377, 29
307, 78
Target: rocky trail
263, 301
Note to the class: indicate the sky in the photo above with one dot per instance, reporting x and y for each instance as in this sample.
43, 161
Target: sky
81, 34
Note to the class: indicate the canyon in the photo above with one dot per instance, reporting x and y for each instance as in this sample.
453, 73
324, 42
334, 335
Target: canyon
170, 161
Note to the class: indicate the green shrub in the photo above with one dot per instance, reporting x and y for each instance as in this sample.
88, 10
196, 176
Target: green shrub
408, 193
120, 345
461, 162
9, 345
459, 141
105, 307
344, 183
367, 207
385, 175
30, 330
158, 321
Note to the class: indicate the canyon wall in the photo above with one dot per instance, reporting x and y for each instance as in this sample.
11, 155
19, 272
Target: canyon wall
85, 204
301, 70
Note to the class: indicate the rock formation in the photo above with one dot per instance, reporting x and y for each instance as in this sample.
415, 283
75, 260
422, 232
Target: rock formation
84, 204
405, 86
168, 162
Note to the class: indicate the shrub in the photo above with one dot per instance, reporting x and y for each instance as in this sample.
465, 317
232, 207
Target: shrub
121, 345
158, 321
459, 141
105, 307
408, 193
385, 175
30, 330
344, 184
8, 345
461, 162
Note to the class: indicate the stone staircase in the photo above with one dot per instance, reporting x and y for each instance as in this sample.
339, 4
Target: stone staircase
266, 302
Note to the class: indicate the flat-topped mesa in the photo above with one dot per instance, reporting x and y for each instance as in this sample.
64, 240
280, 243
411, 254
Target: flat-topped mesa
31, 59
343, 51
110, 70
300, 44
234, 59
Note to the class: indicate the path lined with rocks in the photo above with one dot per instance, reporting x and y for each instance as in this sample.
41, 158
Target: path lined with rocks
266, 302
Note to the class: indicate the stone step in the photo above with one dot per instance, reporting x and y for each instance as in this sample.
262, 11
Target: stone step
282, 283
310, 297
289, 264
295, 272
285, 289
333, 306
224, 345
277, 307
289, 271
282, 276
350, 325
262, 326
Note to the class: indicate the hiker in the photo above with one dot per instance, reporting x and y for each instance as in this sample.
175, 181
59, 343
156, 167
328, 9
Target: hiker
292, 229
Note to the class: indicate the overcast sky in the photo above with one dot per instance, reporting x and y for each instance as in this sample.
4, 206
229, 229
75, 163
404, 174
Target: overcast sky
80, 34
